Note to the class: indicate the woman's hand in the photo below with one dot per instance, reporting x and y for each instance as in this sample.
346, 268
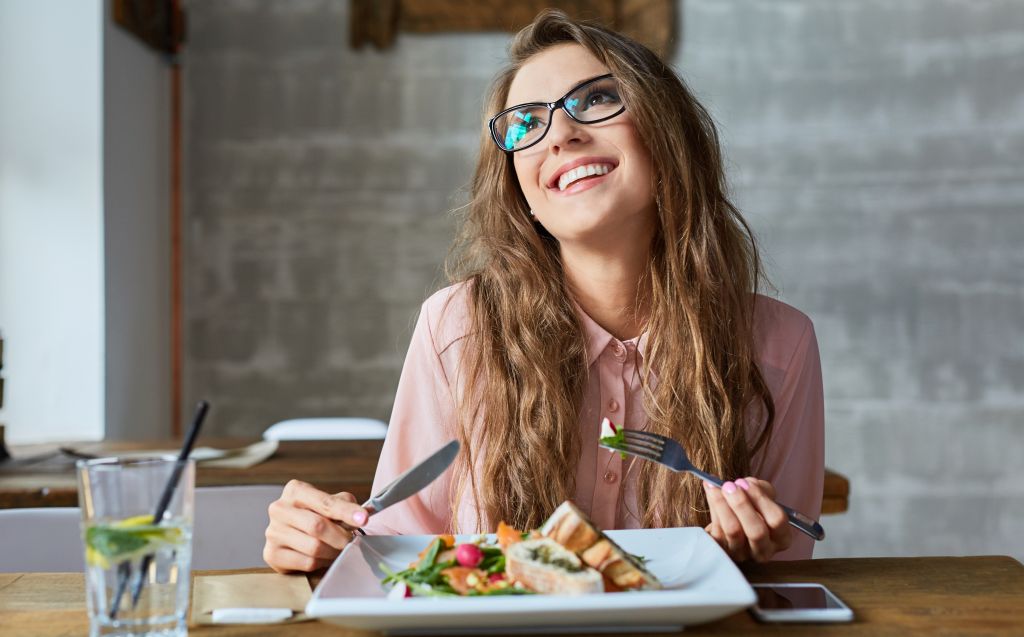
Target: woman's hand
746, 521
308, 528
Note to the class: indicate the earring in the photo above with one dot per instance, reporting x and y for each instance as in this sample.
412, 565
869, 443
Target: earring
531, 213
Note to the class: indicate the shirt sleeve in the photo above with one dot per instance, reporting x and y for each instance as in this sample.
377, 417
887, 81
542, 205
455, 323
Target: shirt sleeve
420, 419
794, 458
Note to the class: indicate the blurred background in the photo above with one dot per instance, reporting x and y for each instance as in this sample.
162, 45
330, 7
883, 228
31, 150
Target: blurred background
876, 147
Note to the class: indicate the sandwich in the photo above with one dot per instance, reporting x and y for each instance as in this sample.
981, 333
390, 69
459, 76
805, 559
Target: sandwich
570, 528
545, 566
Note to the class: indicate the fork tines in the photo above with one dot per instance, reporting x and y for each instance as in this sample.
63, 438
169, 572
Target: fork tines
650, 441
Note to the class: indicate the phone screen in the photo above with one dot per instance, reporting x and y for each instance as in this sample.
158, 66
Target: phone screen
794, 598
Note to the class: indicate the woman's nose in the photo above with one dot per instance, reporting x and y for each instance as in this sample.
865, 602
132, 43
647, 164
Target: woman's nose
565, 131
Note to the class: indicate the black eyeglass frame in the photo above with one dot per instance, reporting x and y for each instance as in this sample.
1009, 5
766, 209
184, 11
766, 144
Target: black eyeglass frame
552, 107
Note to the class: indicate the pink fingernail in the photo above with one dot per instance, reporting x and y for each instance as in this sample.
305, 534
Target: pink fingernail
360, 517
729, 488
743, 484
708, 485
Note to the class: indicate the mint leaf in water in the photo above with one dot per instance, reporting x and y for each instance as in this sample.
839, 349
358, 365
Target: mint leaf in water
110, 542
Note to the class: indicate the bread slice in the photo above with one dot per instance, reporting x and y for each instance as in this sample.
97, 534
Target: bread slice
546, 566
571, 528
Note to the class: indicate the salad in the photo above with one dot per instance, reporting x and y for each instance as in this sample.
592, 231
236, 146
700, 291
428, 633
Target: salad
445, 569
567, 555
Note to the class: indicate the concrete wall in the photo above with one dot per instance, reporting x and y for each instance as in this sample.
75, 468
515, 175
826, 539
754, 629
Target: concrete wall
317, 204
876, 147
51, 219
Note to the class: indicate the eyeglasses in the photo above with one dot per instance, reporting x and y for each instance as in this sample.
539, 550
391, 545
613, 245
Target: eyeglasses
522, 126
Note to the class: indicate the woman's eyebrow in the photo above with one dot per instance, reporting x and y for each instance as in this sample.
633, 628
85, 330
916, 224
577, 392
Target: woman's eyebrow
573, 86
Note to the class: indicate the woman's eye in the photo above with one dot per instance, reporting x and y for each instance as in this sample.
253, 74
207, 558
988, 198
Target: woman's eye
527, 121
601, 97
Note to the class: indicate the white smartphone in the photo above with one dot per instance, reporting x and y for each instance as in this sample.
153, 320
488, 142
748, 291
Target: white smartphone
799, 603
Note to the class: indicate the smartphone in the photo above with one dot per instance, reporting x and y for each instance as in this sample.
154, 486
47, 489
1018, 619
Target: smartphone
799, 603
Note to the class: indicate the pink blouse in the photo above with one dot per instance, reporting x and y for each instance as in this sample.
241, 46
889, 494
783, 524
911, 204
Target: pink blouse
424, 409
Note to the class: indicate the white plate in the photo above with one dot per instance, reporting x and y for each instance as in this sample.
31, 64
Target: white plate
701, 584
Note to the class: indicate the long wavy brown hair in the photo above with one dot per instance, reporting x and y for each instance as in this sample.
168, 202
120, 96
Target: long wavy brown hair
524, 367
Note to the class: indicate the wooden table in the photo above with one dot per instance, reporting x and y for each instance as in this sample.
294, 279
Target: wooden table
889, 596
331, 465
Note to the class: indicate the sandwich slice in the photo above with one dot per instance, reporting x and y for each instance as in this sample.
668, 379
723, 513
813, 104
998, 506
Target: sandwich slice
571, 528
545, 566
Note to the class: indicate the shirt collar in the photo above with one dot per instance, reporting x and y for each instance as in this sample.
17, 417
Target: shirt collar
598, 338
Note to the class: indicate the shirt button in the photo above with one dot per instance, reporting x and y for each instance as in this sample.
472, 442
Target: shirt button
619, 351
610, 477
613, 405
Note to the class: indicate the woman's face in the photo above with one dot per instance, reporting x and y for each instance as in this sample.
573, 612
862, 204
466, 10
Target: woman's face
615, 206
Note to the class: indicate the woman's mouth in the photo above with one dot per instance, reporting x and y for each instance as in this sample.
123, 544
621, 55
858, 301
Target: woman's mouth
583, 173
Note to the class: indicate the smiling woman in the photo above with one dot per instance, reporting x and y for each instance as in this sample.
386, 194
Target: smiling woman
601, 271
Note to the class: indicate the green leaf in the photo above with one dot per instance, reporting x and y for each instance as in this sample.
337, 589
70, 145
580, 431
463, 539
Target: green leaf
110, 542
497, 567
428, 559
511, 590
618, 441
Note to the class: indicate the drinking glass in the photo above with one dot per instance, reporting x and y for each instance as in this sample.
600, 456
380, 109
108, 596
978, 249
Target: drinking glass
137, 573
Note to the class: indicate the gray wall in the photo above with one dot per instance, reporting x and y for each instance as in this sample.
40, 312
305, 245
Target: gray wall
136, 229
876, 147
316, 204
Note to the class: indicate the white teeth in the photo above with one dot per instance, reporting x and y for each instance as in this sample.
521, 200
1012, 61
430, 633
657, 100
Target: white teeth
589, 170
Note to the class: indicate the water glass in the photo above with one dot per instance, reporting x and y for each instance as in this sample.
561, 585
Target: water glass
137, 573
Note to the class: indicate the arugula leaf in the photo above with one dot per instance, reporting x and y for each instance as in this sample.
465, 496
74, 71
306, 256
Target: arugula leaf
497, 567
617, 441
428, 559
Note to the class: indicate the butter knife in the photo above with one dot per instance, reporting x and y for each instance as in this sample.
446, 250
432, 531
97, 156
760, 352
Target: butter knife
413, 480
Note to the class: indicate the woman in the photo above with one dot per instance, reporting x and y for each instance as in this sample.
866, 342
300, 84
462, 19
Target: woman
601, 272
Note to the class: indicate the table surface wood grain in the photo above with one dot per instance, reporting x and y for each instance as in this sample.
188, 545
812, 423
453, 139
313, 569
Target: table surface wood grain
331, 465
889, 596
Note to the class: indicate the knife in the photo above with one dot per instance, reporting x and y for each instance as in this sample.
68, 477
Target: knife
412, 480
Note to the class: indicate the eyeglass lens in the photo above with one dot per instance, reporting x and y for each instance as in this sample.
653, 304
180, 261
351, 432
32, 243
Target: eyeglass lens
524, 126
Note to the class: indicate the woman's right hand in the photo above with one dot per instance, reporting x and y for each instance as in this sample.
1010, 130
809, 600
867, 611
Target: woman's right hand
308, 528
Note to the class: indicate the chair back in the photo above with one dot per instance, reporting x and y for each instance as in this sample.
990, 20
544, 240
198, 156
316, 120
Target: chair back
44, 540
230, 525
327, 429
228, 533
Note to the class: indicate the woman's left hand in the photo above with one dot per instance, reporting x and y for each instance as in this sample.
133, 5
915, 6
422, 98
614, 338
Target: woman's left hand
746, 521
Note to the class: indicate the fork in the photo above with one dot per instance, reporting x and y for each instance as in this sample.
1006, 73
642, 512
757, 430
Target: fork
668, 452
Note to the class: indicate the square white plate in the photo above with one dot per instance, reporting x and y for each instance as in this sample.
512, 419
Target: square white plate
700, 582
